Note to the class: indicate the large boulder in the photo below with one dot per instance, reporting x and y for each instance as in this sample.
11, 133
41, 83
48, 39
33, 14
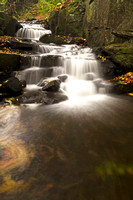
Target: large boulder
8, 25
42, 97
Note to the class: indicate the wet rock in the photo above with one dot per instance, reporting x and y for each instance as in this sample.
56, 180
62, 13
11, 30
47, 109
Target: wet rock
11, 86
30, 97
102, 85
97, 81
50, 61
23, 83
19, 44
42, 97
107, 86
57, 96
51, 85
52, 39
90, 76
62, 77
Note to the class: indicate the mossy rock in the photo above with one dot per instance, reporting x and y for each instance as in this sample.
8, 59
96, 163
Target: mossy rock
8, 25
121, 53
68, 20
52, 39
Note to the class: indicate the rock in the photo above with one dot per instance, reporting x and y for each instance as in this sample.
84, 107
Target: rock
8, 25
52, 39
9, 62
31, 97
121, 55
42, 97
23, 83
11, 86
50, 61
102, 85
57, 96
100, 25
97, 81
51, 85
19, 44
68, 20
62, 77
90, 76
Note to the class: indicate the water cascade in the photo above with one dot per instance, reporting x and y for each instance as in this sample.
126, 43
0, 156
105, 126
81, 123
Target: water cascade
31, 31
50, 60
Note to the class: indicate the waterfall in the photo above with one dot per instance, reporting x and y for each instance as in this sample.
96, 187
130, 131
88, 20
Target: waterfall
31, 31
50, 60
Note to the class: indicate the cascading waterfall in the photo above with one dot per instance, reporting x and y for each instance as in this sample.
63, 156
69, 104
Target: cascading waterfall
82, 69
78, 63
31, 31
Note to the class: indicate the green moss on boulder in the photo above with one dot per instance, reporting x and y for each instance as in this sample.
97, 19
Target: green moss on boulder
121, 53
68, 20
8, 25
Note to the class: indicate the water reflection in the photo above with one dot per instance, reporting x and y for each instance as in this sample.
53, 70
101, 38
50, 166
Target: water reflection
73, 151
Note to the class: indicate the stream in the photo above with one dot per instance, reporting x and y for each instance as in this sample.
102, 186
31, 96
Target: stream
78, 149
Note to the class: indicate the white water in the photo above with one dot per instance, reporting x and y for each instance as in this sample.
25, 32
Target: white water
31, 31
78, 62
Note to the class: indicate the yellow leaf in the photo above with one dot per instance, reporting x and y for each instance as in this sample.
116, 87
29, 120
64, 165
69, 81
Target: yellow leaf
131, 94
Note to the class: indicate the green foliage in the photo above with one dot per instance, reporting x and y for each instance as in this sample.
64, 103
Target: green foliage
48, 5
3, 2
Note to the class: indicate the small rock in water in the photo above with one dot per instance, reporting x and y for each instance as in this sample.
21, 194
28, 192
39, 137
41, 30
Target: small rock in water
90, 76
51, 84
23, 82
62, 77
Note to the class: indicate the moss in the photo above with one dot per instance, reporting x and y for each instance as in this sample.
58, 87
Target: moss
4, 21
123, 53
61, 27
68, 20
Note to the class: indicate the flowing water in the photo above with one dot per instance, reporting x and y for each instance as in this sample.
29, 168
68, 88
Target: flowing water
80, 149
